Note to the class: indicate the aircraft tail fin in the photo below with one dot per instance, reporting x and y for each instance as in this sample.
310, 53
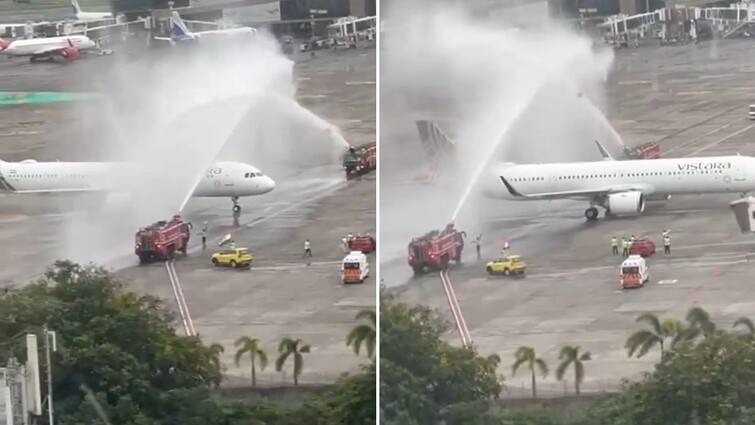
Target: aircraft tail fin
76, 7
179, 29
433, 138
604, 152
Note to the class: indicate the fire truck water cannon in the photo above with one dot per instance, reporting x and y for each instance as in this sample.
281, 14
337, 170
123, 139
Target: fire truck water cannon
360, 160
435, 250
162, 240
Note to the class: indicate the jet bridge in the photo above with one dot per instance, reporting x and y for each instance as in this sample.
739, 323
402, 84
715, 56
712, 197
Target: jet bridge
730, 20
677, 24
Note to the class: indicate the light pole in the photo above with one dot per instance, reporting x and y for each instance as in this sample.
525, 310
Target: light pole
49, 334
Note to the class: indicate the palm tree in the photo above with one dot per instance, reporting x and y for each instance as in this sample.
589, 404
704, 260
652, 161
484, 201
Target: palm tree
215, 351
290, 347
700, 319
747, 323
570, 355
657, 333
364, 333
253, 346
527, 355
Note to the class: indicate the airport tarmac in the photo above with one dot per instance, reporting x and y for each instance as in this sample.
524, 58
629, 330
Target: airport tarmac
281, 295
691, 99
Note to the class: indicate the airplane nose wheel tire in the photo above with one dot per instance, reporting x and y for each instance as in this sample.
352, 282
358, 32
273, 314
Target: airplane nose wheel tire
591, 214
237, 208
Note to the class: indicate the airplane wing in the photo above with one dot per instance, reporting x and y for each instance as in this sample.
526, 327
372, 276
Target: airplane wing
577, 194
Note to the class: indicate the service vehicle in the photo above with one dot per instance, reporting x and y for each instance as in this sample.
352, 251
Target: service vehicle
634, 272
366, 244
435, 250
751, 112
355, 268
360, 160
648, 150
507, 265
162, 240
234, 257
643, 247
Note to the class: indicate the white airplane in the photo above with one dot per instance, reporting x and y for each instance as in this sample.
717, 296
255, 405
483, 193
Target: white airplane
621, 187
67, 47
180, 32
222, 179
82, 16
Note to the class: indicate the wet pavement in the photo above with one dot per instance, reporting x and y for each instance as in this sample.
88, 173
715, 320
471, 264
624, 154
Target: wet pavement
281, 295
693, 101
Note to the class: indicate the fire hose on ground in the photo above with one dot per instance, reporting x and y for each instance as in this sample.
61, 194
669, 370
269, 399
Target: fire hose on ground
178, 293
453, 304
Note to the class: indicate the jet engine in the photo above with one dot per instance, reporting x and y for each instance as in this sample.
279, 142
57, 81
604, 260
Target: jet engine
626, 203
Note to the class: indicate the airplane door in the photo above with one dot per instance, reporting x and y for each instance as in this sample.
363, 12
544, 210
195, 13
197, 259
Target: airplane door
739, 177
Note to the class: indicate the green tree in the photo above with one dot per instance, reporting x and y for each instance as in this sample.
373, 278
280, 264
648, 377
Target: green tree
527, 355
253, 347
120, 346
216, 350
364, 333
700, 323
656, 333
747, 324
422, 375
707, 383
570, 355
290, 347
119, 357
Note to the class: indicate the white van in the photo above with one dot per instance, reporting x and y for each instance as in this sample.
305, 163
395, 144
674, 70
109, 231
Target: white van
634, 272
355, 268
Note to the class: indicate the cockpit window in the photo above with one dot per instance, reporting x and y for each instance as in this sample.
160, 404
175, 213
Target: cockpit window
250, 175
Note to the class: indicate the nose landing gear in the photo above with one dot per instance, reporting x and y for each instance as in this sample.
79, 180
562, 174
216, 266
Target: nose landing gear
236, 206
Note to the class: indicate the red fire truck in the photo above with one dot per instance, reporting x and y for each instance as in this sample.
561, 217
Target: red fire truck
648, 150
360, 160
436, 249
161, 240
365, 243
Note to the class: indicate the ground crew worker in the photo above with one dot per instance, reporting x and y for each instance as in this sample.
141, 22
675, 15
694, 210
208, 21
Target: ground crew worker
614, 246
632, 239
667, 244
203, 233
349, 236
345, 244
307, 248
477, 245
625, 247
665, 233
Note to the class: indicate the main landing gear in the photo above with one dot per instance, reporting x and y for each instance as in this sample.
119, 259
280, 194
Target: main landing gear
236, 206
591, 214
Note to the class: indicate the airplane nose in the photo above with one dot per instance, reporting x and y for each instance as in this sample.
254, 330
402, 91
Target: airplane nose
268, 184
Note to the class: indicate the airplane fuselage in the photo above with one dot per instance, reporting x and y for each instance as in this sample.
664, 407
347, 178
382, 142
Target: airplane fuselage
34, 46
223, 179
655, 176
